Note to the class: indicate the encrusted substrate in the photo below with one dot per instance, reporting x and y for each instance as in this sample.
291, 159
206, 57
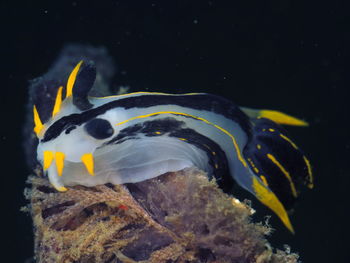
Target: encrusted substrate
177, 217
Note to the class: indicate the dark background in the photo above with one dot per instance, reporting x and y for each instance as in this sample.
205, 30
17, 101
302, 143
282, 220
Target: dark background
289, 55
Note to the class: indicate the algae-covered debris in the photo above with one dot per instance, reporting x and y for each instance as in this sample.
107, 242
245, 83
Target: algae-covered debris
177, 217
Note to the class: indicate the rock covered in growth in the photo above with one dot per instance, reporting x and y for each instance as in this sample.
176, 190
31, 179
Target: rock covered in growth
177, 217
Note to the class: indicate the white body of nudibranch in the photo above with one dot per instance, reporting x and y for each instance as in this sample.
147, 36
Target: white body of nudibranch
134, 137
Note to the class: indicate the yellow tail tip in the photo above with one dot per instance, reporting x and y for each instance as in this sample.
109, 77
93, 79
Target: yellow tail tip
282, 118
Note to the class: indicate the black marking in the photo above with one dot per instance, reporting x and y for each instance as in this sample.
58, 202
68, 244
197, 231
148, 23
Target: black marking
71, 128
148, 128
207, 102
289, 157
99, 128
82, 86
174, 128
218, 161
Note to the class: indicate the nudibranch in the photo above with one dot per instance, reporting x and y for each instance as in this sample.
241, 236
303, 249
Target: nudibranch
134, 137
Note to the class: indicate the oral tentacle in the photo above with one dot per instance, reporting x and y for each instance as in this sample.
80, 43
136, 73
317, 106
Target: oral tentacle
55, 180
48, 158
88, 160
59, 158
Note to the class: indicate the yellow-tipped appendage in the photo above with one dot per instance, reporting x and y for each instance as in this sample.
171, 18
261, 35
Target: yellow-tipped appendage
58, 102
38, 125
71, 79
48, 158
88, 161
281, 118
59, 158
269, 199
61, 189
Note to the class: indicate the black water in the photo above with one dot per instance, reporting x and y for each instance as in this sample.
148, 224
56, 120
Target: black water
281, 54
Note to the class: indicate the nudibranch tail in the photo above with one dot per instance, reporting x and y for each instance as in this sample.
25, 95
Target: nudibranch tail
281, 166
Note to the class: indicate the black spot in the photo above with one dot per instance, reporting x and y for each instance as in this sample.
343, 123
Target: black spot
99, 128
71, 128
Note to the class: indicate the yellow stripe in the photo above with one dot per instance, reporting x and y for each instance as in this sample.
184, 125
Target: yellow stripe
37, 122
263, 178
292, 186
239, 155
307, 162
256, 170
145, 93
269, 199
311, 179
289, 140
71, 79
58, 102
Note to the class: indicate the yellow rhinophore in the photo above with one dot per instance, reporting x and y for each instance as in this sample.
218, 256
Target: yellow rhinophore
58, 102
71, 79
269, 199
38, 125
48, 158
59, 158
88, 161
